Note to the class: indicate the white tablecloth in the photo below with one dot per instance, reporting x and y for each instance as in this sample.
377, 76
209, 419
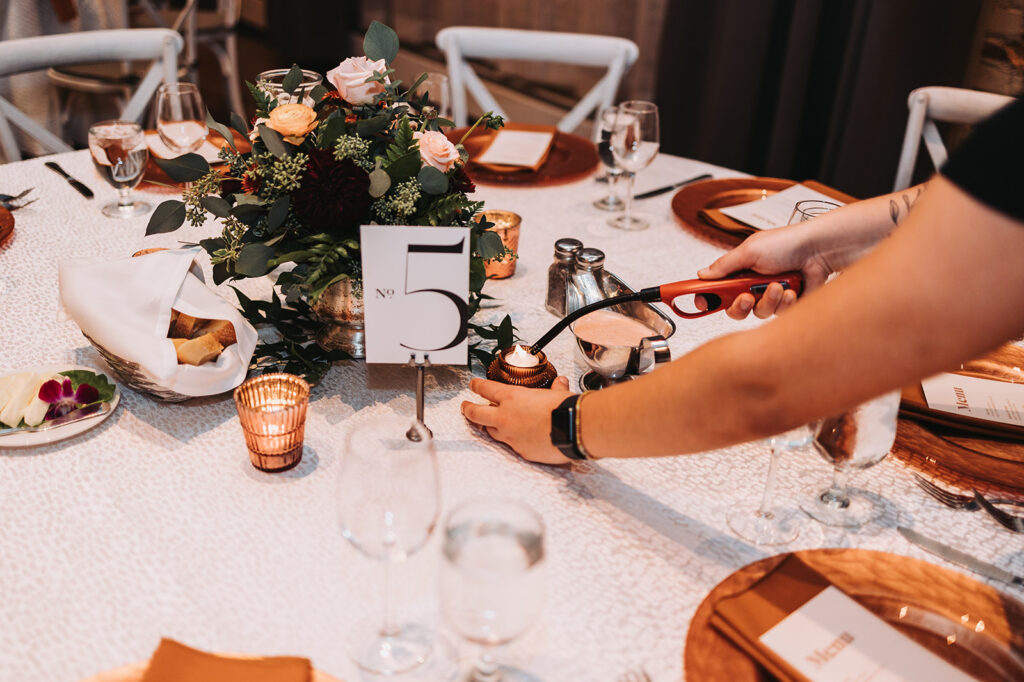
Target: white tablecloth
155, 524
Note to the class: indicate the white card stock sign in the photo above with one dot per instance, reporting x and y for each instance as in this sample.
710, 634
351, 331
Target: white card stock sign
416, 293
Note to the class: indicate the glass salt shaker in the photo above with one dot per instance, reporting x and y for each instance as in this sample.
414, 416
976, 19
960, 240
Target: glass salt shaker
586, 284
559, 274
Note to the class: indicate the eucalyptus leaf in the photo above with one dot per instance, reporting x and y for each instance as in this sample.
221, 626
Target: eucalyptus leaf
318, 92
292, 80
506, 333
212, 244
220, 129
368, 127
432, 180
216, 206
278, 212
272, 138
221, 273
239, 124
490, 246
185, 168
253, 260
380, 183
380, 42
333, 129
405, 166
167, 217
248, 213
477, 274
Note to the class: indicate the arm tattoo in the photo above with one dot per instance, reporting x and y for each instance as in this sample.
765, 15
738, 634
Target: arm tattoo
894, 206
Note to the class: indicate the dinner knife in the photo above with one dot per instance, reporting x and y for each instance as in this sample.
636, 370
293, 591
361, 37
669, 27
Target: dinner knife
81, 414
961, 559
82, 189
669, 188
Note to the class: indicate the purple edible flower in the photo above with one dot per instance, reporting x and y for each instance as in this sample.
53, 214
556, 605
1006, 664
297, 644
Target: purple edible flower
64, 399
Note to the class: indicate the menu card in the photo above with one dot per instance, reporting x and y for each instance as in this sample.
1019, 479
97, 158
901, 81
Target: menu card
774, 210
157, 148
994, 401
524, 148
801, 627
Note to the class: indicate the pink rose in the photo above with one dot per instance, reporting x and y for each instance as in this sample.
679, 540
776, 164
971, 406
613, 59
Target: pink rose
436, 150
350, 79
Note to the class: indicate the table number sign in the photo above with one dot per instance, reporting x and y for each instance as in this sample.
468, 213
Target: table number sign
416, 293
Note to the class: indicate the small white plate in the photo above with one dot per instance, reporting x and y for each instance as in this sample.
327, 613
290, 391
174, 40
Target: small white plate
58, 433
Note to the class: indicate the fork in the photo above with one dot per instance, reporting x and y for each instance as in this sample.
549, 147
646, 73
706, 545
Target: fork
1009, 521
635, 676
957, 501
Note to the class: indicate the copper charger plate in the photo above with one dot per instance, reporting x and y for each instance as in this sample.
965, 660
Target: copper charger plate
133, 672
935, 598
690, 201
6, 225
962, 451
571, 158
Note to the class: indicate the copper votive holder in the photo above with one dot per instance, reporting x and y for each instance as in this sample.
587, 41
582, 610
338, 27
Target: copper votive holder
506, 224
540, 376
272, 409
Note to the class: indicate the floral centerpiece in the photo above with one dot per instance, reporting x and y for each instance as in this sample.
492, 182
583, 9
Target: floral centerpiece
367, 150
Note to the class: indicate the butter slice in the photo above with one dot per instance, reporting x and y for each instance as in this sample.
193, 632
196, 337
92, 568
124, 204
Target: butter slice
21, 396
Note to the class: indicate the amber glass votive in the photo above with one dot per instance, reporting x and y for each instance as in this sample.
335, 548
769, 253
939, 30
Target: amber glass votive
506, 224
541, 375
272, 409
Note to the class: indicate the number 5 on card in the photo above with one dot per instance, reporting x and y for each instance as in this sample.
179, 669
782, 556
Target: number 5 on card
416, 292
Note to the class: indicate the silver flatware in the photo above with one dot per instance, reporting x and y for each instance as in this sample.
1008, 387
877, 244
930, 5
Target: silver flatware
82, 189
669, 188
956, 500
960, 558
1008, 521
81, 414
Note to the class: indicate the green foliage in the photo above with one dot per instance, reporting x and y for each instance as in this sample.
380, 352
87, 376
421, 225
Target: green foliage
97, 381
292, 79
167, 217
503, 335
272, 139
221, 129
185, 168
380, 42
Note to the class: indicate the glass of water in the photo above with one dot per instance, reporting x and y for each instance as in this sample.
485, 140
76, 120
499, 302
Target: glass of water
492, 577
119, 153
181, 117
604, 127
635, 141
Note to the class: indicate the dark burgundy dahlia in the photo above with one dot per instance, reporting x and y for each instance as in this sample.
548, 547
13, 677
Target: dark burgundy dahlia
334, 195
461, 182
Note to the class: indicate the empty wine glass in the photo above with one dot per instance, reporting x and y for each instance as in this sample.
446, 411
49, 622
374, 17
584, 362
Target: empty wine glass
810, 208
766, 525
119, 153
492, 577
388, 504
181, 117
853, 440
607, 118
635, 142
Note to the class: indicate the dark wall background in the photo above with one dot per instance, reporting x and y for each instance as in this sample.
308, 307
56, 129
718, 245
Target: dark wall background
806, 88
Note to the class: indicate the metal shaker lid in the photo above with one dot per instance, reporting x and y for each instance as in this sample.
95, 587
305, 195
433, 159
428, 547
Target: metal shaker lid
566, 248
590, 258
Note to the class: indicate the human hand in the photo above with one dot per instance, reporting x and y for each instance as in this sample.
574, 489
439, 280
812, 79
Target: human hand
518, 416
769, 253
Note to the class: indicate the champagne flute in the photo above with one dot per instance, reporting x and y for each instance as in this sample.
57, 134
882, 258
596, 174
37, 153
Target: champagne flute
119, 153
181, 117
492, 577
767, 526
604, 127
388, 505
851, 441
634, 142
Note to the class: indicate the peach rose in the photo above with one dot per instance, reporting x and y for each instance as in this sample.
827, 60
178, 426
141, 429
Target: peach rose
350, 79
293, 121
436, 150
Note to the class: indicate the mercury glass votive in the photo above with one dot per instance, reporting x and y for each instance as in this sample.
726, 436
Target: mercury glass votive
272, 409
518, 366
506, 225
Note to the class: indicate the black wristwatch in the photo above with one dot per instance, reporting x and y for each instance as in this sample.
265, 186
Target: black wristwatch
565, 428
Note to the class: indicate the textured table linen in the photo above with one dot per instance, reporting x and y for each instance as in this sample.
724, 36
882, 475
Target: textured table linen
155, 524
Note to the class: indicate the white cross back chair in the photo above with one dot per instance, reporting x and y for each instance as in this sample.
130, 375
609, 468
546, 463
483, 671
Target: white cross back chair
950, 105
461, 42
33, 54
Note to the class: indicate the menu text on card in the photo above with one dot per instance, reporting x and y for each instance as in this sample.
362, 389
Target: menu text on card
416, 293
995, 401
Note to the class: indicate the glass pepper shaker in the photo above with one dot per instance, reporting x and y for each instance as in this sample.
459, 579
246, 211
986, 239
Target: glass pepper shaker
587, 282
559, 274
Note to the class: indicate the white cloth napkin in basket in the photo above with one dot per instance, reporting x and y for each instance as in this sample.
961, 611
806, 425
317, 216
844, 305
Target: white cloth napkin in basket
125, 306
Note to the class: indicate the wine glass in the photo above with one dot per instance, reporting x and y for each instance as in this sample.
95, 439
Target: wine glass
492, 577
438, 92
181, 117
765, 525
634, 143
388, 505
605, 126
851, 441
119, 152
810, 208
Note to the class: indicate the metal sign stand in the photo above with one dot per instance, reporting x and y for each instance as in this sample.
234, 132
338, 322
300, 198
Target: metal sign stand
420, 366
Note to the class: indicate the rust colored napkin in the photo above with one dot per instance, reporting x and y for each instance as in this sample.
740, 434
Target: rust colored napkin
744, 617
66, 10
530, 127
175, 662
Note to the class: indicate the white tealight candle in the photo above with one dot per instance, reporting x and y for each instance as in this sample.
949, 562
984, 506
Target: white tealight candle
520, 357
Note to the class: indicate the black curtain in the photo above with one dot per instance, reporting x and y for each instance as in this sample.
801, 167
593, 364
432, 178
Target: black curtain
806, 89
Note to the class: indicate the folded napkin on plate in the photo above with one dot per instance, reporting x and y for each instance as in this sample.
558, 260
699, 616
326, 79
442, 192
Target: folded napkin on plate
125, 306
175, 662
532, 136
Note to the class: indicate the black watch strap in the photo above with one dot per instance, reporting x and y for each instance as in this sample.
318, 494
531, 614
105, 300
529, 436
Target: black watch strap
565, 428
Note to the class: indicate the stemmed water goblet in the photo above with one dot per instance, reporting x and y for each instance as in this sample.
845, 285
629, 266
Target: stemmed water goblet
492, 577
119, 153
388, 505
181, 117
852, 441
634, 142
605, 126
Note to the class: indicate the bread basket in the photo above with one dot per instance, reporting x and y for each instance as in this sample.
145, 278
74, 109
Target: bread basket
132, 375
